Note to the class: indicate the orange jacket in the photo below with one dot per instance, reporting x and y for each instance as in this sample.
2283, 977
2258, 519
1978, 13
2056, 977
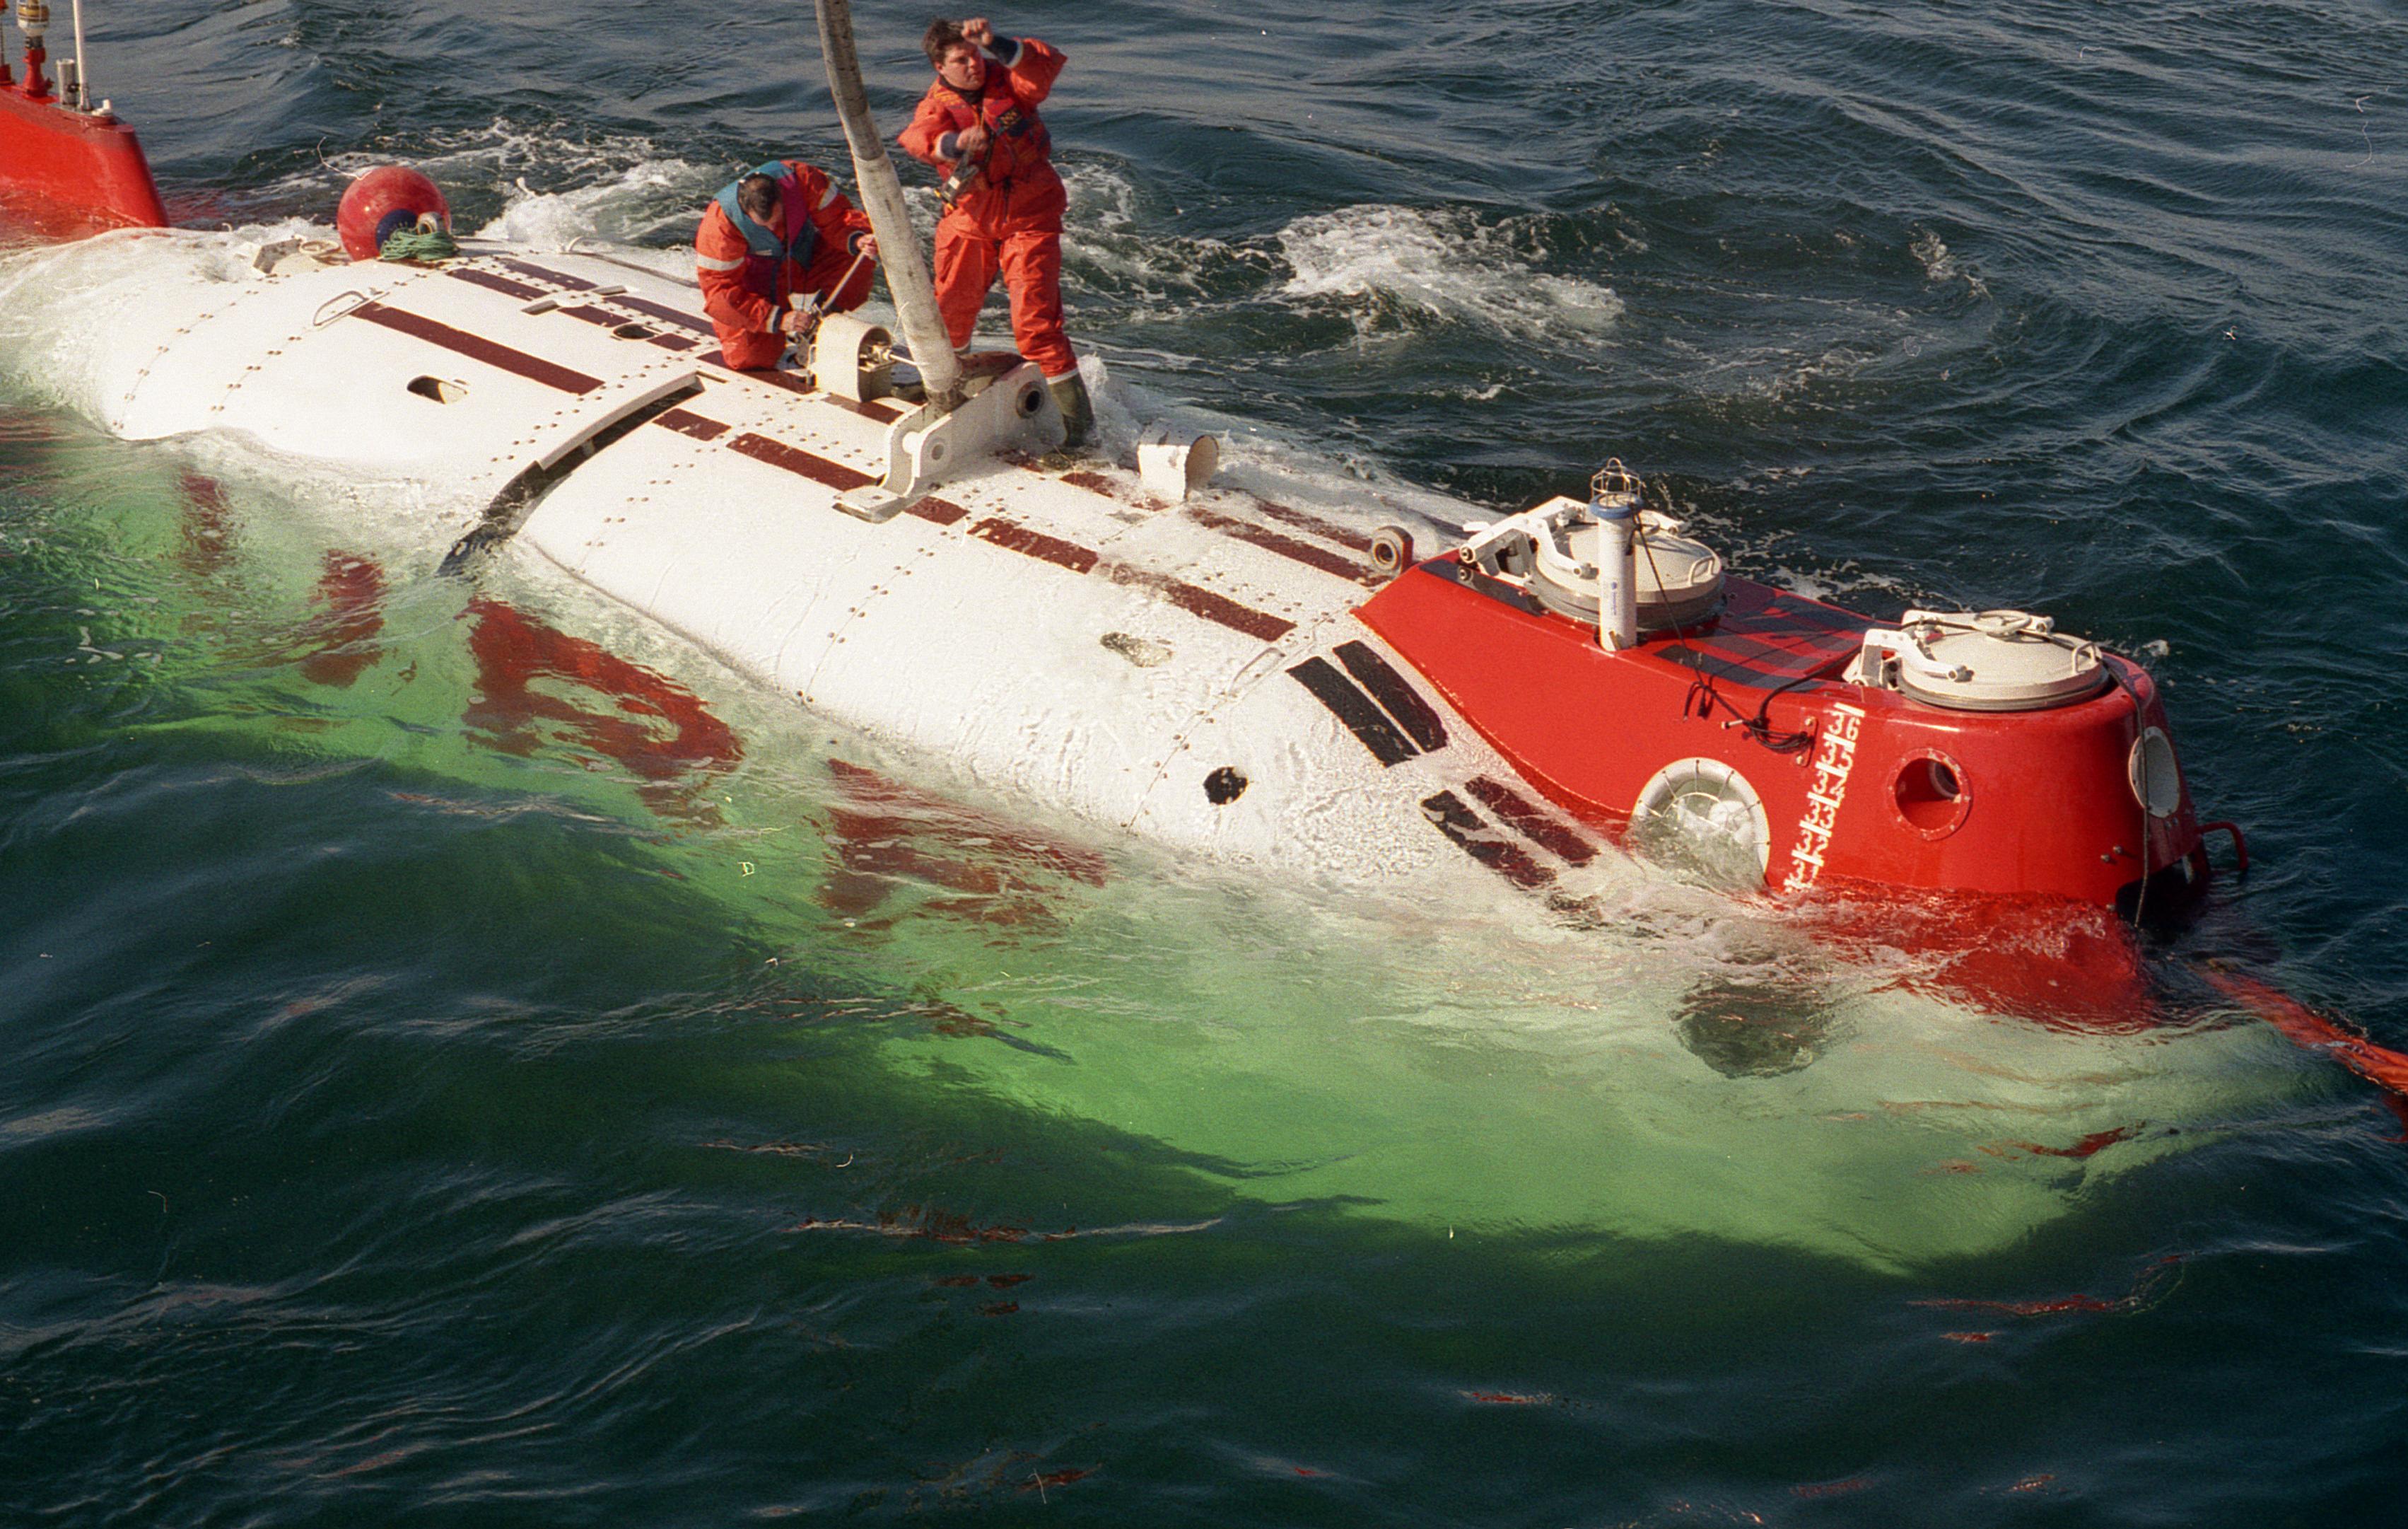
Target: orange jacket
745, 291
1016, 189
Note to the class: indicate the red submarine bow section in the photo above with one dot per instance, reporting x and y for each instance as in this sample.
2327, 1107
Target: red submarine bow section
1770, 741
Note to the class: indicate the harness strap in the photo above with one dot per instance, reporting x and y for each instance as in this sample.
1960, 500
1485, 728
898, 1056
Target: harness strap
764, 242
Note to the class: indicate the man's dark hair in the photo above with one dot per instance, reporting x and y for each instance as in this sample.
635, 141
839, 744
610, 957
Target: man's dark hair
942, 34
757, 194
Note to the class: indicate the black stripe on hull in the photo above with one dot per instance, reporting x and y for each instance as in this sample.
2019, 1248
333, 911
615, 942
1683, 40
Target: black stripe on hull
1390, 689
1518, 812
1459, 823
1353, 708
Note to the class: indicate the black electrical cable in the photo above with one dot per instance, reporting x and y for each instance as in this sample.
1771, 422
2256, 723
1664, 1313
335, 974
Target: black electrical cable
1759, 727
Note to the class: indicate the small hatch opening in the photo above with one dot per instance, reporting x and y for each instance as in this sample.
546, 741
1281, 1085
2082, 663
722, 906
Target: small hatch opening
440, 389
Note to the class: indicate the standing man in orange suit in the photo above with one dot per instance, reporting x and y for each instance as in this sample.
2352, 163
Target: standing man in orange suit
1004, 201
781, 231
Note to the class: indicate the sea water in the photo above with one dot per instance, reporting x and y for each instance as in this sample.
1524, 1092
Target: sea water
468, 1057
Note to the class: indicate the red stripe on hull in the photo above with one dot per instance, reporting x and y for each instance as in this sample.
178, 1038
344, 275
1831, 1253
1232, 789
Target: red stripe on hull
544, 273
493, 282
686, 422
1020, 539
936, 512
884, 412
1286, 546
1217, 609
819, 470
785, 380
665, 313
477, 347
1326, 531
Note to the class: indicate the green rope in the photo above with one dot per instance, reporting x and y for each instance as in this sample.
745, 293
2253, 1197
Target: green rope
421, 243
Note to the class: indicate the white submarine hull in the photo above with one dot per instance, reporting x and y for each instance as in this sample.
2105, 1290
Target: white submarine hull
1190, 673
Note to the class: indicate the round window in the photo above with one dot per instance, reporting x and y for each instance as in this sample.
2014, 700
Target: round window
2156, 780
1701, 819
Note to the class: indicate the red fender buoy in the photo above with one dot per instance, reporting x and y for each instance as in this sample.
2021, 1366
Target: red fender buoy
384, 202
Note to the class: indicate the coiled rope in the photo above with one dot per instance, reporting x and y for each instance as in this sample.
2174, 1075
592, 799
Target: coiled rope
426, 241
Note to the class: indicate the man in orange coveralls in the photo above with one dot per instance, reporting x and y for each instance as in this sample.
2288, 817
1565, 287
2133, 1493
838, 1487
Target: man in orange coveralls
782, 231
980, 117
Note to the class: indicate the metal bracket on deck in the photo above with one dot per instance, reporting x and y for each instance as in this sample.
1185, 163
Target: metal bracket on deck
925, 449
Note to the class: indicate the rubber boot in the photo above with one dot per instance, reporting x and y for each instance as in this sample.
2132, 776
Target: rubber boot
1069, 392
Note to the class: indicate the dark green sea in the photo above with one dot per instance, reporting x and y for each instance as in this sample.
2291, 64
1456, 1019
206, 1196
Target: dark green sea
467, 1059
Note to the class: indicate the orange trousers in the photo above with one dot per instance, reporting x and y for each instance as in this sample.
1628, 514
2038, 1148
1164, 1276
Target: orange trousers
1030, 262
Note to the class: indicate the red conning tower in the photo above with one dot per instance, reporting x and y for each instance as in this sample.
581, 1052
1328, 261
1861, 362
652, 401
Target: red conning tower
1779, 743
65, 171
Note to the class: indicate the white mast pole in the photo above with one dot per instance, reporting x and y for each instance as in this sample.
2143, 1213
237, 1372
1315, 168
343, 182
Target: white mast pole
1613, 504
882, 197
83, 70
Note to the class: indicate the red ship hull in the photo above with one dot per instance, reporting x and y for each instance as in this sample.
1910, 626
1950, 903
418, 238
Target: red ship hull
67, 174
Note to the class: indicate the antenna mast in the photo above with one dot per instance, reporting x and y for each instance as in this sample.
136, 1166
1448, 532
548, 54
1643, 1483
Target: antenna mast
882, 197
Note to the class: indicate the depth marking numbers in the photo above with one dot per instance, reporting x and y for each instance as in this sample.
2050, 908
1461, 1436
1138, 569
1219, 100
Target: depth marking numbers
1835, 756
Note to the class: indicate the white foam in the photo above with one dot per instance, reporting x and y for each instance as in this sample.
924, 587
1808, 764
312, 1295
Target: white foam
554, 187
1105, 228
1940, 265
77, 320
495, 155
1349, 490
646, 200
1384, 263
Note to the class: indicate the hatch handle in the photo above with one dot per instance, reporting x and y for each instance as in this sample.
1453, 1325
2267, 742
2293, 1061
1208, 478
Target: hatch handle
328, 312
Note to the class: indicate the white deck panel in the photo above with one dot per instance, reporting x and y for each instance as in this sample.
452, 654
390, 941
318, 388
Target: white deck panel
1074, 643
746, 559
293, 362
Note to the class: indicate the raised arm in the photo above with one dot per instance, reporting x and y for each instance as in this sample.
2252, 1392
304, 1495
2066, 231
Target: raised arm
929, 123
1031, 64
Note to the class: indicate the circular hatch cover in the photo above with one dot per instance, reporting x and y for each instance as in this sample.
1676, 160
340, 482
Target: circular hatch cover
1679, 580
1995, 661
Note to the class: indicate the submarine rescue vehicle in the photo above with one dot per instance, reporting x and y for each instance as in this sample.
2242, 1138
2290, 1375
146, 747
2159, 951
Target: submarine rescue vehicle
1236, 679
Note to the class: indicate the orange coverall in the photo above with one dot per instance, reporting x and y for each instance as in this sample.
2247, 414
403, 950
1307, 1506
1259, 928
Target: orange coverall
1009, 218
746, 293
